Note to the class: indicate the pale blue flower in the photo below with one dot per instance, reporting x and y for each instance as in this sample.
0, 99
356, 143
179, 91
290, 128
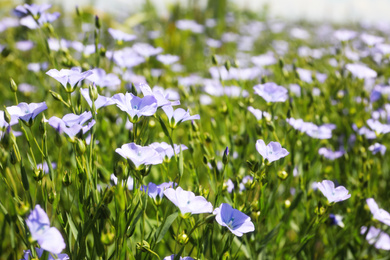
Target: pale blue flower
329, 154
139, 155
134, 106
272, 152
271, 92
27, 255
380, 239
379, 214
26, 112
69, 78
333, 194
187, 202
377, 148
121, 36
49, 238
177, 116
236, 221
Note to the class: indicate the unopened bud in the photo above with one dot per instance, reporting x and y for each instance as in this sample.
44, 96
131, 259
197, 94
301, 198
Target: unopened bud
282, 175
80, 146
13, 85
225, 158
67, 179
97, 22
7, 116
56, 96
93, 94
52, 196
228, 65
214, 60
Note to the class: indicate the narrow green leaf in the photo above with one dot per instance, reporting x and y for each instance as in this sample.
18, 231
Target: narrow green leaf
163, 229
73, 228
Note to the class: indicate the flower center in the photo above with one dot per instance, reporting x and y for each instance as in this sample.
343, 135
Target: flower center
230, 223
135, 107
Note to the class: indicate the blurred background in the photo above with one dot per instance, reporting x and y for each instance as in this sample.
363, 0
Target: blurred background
339, 11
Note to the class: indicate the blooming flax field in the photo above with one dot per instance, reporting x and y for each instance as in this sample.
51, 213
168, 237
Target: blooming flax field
208, 134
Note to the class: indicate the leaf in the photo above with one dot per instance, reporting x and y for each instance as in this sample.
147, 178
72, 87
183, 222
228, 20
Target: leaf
180, 162
73, 228
26, 185
163, 229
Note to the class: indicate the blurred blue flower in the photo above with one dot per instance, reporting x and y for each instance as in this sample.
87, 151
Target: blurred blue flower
49, 238
162, 98
130, 181
378, 127
271, 92
379, 214
156, 192
272, 152
172, 257
380, 239
236, 221
336, 220
166, 150
361, 71
376, 148
331, 193
72, 124
230, 185
101, 101
256, 112
69, 78
187, 202
102, 79
27, 255
121, 36
146, 50
329, 154
139, 155
167, 59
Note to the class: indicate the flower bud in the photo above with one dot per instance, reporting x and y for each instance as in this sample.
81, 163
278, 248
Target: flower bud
108, 236
52, 196
38, 174
93, 94
182, 238
97, 22
56, 96
42, 125
282, 175
23, 208
228, 65
7, 116
80, 146
13, 85
144, 247
214, 60
225, 158
78, 11
67, 179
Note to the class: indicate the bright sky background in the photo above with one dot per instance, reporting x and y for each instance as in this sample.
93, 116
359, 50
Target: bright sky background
317, 10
